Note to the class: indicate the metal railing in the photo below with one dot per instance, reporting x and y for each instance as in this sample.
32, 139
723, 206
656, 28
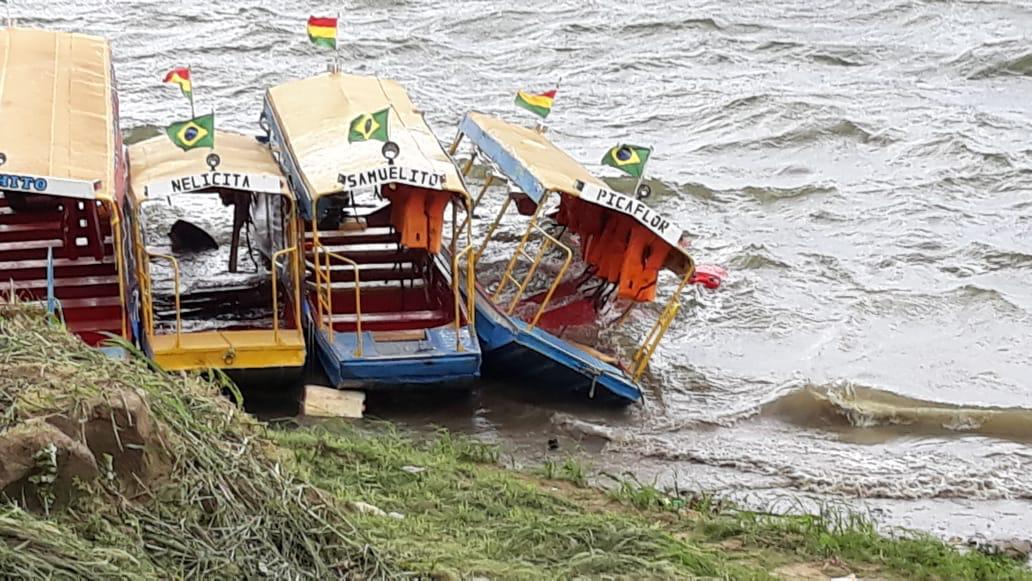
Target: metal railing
324, 290
547, 242
116, 229
471, 289
150, 290
275, 293
652, 339
145, 281
476, 201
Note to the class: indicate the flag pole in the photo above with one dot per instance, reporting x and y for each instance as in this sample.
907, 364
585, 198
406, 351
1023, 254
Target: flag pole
540, 126
336, 44
641, 178
189, 71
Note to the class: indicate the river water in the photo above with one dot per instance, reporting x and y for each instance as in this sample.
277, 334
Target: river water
862, 168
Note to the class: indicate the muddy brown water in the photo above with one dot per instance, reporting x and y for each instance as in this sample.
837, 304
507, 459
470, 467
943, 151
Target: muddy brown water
863, 168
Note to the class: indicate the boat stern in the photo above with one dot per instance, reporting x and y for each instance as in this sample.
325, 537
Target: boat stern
420, 357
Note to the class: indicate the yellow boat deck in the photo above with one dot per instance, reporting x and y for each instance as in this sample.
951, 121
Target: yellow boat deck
237, 349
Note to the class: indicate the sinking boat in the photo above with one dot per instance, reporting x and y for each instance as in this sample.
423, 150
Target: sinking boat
585, 250
384, 307
207, 319
63, 182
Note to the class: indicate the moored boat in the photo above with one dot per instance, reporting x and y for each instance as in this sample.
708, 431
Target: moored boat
585, 249
373, 184
240, 324
63, 181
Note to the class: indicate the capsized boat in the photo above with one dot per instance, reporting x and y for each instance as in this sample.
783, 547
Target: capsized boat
240, 325
384, 307
585, 249
63, 182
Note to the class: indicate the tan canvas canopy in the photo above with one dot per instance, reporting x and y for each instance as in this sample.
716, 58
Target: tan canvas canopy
56, 108
159, 167
536, 165
315, 116
554, 168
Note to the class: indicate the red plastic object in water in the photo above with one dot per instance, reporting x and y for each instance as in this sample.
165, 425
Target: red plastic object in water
708, 275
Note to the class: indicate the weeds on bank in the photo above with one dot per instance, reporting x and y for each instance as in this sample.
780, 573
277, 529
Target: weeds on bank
462, 515
217, 504
459, 514
569, 470
833, 535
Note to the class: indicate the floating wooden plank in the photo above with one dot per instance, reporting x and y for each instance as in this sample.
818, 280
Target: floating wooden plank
326, 402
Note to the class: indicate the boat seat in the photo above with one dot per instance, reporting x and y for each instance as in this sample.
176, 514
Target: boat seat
29, 245
369, 270
391, 321
91, 302
29, 231
373, 252
374, 285
374, 234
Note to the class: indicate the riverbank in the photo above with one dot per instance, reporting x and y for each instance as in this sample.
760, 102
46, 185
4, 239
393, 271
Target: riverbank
121, 471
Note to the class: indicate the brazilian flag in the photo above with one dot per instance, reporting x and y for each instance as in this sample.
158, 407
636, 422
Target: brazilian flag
629, 159
369, 126
197, 132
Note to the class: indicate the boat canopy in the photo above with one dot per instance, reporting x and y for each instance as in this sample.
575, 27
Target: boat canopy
158, 168
537, 166
57, 110
314, 117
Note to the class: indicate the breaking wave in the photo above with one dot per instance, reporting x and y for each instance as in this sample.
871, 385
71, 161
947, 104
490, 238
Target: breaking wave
866, 407
995, 59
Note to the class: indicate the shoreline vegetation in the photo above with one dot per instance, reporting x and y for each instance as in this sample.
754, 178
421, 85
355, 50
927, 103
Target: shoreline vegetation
118, 470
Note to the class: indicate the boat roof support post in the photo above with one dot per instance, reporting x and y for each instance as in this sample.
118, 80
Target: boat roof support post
666, 318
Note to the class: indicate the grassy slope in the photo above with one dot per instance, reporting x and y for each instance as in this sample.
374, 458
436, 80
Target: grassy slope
464, 515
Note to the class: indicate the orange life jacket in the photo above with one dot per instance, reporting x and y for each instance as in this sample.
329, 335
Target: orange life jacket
418, 215
644, 257
612, 246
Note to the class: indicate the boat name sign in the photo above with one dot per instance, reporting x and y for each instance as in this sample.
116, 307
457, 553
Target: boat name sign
51, 186
660, 225
251, 182
392, 174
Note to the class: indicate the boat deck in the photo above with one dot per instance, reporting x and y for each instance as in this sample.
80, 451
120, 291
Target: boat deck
392, 358
232, 349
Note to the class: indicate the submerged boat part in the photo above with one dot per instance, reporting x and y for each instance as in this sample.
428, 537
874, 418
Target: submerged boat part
615, 243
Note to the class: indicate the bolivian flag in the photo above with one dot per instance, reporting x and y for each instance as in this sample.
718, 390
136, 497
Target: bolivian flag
322, 31
538, 104
181, 77
369, 126
628, 158
197, 132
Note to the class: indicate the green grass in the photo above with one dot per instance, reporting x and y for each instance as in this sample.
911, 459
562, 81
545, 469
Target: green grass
464, 515
243, 500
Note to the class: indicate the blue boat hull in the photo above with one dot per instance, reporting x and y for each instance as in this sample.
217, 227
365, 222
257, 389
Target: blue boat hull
432, 362
512, 349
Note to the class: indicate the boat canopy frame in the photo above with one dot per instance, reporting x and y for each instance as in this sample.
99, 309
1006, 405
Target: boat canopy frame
160, 170
64, 84
314, 116
539, 168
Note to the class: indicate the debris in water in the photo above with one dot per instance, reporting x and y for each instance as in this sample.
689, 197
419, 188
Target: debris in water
188, 237
366, 508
